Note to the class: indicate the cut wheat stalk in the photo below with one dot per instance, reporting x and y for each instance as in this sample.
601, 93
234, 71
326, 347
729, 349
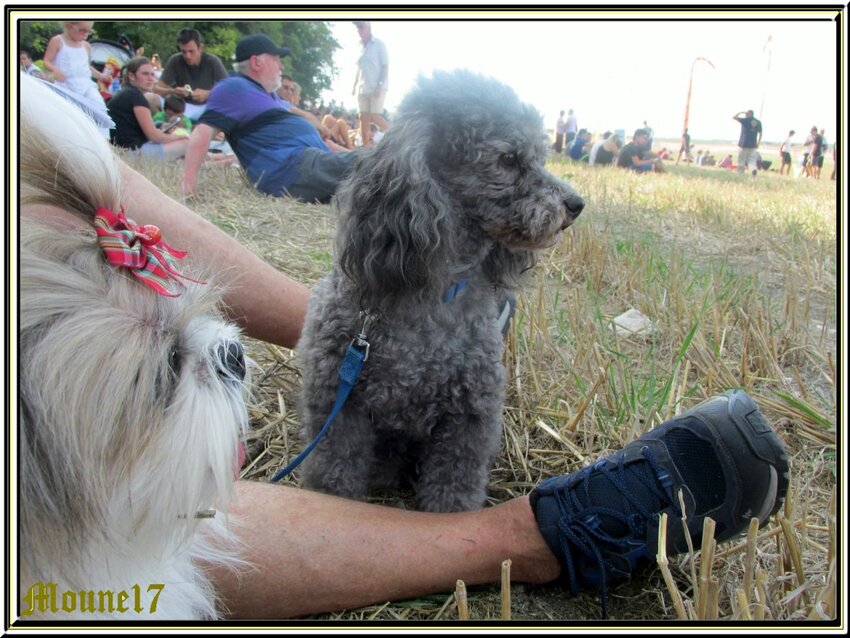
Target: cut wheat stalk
688, 540
712, 610
462, 603
750, 560
794, 551
506, 589
761, 595
664, 564
706, 565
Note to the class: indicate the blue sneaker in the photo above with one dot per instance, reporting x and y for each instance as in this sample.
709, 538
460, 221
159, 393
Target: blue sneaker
602, 521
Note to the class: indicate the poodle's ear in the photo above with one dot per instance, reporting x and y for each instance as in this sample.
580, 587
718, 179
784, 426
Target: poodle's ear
504, 267
395, 216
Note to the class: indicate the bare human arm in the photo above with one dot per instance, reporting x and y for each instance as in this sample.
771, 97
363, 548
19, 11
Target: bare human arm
196, 152
264, 302
50, 58
335, 553
143, 117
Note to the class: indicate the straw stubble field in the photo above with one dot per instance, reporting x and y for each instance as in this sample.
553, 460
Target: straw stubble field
738, 278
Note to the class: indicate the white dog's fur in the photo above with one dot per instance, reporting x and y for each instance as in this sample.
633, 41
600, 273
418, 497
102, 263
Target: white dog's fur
131, 403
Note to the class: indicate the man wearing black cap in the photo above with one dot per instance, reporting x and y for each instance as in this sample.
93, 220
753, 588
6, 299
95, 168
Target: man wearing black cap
281, 152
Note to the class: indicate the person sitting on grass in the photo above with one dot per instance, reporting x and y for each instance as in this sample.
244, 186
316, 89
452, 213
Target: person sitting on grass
632, 155
282, 152
338, 130
580, 148
131, 112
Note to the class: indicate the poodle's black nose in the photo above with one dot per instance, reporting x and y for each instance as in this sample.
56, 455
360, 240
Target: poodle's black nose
230, 359
574, 204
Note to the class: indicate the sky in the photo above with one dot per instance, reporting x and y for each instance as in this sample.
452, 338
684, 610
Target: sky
615, 74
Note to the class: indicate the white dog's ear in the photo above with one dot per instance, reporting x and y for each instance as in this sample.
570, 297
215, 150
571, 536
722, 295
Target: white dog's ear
395, 214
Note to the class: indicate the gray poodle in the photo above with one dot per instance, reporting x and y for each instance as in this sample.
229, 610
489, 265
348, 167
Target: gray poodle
437, 222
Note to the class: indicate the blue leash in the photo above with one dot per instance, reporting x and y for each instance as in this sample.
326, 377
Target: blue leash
358, 352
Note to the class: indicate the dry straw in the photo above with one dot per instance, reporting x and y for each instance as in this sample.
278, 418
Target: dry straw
739, 279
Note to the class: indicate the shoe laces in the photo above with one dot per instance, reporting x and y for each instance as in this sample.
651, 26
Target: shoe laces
581, 528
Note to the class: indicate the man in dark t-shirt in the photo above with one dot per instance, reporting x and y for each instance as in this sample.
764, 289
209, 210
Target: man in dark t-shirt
191, 74
749, 140
632, 154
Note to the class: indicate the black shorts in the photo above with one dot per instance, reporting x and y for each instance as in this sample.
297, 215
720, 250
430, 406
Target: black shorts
786, 158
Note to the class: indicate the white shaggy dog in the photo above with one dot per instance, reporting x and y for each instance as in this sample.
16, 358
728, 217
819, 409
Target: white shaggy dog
131, 402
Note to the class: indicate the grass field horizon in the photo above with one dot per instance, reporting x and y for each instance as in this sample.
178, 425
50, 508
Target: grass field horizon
738, 278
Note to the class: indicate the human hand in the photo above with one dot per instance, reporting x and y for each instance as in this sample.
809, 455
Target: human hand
199, 95
188, 186
58, 76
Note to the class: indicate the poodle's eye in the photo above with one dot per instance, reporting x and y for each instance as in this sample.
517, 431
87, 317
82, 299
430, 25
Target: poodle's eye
508, 160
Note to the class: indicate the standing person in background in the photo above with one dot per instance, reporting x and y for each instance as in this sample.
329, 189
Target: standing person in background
560, 130
68, 57
816, 158
370, 85
571, 128
651, 134
749, 140
685, 148
785, 152
191, 74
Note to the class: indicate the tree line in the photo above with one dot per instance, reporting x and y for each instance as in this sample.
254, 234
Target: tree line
312, 44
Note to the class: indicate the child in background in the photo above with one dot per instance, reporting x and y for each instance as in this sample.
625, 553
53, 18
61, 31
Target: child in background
68, 58
172, 118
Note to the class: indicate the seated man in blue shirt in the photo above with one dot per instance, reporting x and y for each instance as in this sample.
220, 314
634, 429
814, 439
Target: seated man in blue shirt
580, 146
281, 151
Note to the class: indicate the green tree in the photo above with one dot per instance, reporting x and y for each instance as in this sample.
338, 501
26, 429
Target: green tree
34, 36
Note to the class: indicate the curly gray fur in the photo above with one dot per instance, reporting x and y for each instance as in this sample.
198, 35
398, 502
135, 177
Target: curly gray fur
456, 188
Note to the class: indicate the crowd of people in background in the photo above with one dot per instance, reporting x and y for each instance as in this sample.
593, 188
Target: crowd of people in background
156, 108
607, 149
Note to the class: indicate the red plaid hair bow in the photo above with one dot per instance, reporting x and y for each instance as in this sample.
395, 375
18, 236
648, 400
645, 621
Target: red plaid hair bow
139, 248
